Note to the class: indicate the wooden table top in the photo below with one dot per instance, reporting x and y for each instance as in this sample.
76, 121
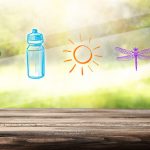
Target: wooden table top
74, 129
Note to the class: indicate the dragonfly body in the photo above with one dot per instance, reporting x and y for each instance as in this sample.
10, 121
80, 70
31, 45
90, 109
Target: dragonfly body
134, 54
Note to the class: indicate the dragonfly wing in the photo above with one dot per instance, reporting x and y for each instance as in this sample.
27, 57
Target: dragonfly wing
128, 57
124, 51
143, 57
145, 51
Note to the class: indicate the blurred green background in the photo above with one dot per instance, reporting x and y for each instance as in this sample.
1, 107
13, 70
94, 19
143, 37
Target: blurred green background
110, 23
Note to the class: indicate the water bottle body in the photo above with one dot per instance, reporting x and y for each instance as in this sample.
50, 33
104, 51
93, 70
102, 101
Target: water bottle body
35, 61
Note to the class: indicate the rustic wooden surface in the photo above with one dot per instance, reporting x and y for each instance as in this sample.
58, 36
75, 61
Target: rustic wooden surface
74, 129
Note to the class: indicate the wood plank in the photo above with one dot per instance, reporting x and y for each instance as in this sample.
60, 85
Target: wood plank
74, 129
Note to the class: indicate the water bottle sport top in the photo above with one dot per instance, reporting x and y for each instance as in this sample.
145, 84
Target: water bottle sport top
35, 55
34, 37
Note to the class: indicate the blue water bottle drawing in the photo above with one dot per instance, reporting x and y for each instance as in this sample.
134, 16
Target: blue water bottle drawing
35, 55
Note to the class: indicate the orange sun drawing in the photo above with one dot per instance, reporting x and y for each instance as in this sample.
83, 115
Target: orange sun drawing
82, 55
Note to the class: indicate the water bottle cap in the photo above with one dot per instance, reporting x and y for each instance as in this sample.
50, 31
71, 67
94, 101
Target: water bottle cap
34, 31
34, 37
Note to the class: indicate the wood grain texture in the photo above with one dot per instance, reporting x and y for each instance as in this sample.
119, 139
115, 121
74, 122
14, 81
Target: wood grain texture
74, 129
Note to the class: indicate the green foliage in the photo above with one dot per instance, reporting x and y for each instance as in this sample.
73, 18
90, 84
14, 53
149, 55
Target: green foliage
16, 23
13, 30
135, 95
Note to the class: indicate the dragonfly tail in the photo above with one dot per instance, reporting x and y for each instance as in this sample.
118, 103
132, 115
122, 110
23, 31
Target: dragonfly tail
136, 64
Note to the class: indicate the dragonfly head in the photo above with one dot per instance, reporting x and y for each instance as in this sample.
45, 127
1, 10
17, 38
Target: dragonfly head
135, 49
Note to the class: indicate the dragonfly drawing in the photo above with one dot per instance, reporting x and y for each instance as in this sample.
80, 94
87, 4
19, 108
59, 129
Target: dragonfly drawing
134, 54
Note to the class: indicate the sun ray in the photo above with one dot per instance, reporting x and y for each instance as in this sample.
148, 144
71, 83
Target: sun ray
90, 39
67, 60
82, 71
71, 41
98, 55
67, 51
95, 63
90, 68
72, 68
96, 47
